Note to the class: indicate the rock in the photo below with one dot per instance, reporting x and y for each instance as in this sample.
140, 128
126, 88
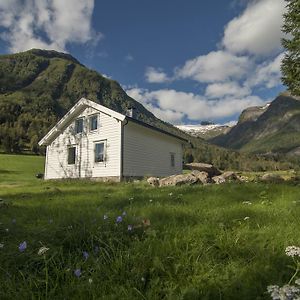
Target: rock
218, 179
229, 176
242, 178
202, 176
154, 181
271, 177
210, 169
178, 180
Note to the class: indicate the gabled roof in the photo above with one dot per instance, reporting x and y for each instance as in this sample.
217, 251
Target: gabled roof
77, 109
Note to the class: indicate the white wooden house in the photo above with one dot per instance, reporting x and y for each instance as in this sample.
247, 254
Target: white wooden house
93, 141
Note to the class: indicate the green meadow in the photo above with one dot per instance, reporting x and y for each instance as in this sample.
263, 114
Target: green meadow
132, 241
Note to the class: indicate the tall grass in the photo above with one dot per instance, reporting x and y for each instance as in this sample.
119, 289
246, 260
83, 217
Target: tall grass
212, 242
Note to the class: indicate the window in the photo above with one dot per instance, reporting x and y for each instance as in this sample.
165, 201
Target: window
78, 125
172, 160
93, 120
71, 155
99, 152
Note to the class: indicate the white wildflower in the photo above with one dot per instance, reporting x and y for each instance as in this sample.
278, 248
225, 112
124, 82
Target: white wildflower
247, 202
292, 251
90, 280
170, 194
1, 246
283, 293
246, 218
42, 250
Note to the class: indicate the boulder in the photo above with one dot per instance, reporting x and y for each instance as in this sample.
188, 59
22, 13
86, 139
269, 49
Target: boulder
208, 168
178, 180
154, 181
202, 176
229, 176
271, 177
218, 179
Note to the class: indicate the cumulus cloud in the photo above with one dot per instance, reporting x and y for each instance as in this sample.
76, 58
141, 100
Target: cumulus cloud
267, 74
220, 90
215, 66
46, 24
257, 30
172, 106
156, 75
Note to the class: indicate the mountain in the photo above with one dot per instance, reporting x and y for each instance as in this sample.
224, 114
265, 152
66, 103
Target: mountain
38, 87
271, 129
206, 132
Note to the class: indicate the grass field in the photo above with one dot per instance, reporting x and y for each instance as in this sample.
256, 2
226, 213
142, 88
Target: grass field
200, 242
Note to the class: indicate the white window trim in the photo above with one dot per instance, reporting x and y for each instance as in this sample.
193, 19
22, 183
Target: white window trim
89, 122
80, 118
104, 152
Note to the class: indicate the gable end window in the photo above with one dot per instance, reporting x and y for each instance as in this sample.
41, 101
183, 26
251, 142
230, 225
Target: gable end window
71, 155
78, 125
99, 152
172, 159
93, 120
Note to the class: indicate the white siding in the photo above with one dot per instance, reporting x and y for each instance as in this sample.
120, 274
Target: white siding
109, 130
148, 152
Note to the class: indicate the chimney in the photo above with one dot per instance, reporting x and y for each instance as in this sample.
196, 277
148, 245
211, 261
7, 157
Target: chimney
131, 112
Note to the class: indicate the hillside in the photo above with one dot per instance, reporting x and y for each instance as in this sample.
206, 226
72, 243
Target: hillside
273, 129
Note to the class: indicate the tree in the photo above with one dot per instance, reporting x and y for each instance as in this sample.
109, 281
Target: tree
291, 63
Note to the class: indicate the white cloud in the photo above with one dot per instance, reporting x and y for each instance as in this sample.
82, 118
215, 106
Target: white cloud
48, 24
215, 66
172, 106
267, 74
156, 75
257, 30
220, 90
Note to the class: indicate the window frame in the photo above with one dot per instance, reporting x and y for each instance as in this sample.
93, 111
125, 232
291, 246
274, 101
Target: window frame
75, 155
104, 151
76, 126
90, 123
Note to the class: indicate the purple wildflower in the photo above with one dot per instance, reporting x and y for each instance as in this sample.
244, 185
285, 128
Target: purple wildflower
77, 272
85, 255
119, 219
22, 246
129, 227
105, 217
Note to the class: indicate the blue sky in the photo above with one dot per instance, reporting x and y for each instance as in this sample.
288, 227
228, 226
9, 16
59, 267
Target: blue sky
186, 61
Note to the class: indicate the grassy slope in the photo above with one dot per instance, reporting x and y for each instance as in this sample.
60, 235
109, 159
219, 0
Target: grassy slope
198, 244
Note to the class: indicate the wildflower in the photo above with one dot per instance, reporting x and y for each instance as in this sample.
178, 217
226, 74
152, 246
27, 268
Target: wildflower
90, 280
85, 255
131, 198
246, 218
119, 219
1, 246
129, 227
23, 246
285, 292
42, 250
124, 213
247, 202
292, 251
77, 272
6, 229
150, 200
143, 279
146, 222
170, 194
105, 217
